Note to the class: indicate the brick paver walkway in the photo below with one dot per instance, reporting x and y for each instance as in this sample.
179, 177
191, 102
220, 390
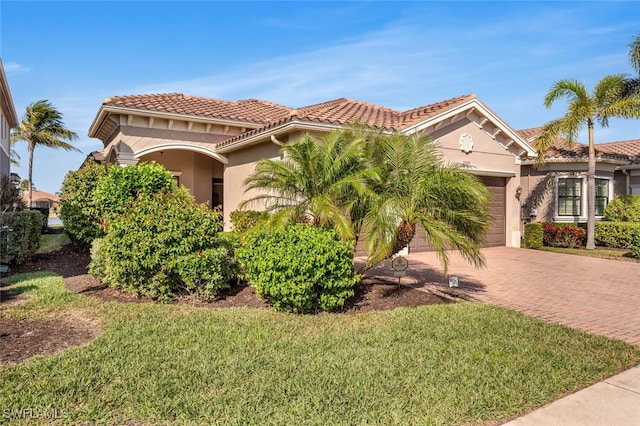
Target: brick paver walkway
595, 295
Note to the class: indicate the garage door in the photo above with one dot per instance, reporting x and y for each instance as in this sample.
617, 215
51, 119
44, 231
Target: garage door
496, 234
497, 187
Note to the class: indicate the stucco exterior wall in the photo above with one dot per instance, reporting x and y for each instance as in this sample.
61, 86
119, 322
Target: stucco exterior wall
193, 170
486, 158
241, 164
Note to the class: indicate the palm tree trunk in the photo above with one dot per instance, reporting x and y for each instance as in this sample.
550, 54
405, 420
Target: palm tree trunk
30, 175
591, 191
406, 232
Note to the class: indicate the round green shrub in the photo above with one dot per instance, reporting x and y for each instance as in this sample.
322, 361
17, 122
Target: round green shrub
122, 185
625, 208
78, 211
299, 268
533, 235
243, 221
20, 234
165, 245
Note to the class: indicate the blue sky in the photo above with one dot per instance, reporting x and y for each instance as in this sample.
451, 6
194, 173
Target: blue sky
396, 54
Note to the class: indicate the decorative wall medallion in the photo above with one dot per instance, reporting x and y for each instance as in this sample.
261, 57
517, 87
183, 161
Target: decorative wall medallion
466, 142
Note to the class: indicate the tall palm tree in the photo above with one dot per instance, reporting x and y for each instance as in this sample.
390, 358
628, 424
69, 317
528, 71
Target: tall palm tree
606, 101
42, 125
633, 84
321, 181
417, 190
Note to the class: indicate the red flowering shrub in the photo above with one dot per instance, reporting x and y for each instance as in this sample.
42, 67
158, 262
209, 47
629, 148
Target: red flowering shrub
563, 235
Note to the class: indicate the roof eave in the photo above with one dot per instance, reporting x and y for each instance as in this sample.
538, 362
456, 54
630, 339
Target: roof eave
12, 117
286, 127
106, 110
478, 105
557, 160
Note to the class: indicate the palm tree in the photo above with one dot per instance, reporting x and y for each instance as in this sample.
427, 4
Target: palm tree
418, 191
42, 125
606, 101
14, 157
321, 181
385, 184
633, 84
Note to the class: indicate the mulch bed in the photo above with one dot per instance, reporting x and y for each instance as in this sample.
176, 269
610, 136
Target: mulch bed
21, 339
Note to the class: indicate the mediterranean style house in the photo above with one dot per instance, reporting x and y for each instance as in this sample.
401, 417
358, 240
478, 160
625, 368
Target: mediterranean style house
212, 145
8, 120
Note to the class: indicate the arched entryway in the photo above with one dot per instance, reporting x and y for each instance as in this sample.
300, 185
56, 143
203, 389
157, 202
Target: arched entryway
200, 173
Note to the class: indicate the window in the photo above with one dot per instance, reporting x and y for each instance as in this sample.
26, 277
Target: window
602, 195
569, 196
217, 192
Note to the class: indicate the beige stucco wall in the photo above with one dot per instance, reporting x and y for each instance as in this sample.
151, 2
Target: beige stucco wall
487, 158
241, 164
195, 170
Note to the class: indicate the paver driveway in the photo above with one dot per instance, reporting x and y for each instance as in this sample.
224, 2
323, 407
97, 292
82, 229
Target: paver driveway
595, 295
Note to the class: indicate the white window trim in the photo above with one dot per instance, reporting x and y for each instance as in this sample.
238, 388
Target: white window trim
583, 197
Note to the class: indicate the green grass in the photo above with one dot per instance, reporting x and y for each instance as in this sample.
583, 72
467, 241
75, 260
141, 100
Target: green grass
52, 242
443, 364
603, 253
48, 297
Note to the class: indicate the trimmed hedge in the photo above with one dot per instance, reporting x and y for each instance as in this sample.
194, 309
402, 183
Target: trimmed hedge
635, 243
625, 208
165, 245
533, 235
21, 238
615, 234
563, 235
121, 185
299, 268
78, 211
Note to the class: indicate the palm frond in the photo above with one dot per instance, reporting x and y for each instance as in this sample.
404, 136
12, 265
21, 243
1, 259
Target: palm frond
634, 53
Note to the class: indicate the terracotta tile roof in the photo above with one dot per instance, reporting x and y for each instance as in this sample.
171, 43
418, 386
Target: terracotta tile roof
629, 149
560, 150
40, 195
416, 115
344, 111
248, 110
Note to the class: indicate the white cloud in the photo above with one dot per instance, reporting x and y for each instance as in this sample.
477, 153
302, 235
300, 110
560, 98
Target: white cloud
15, 68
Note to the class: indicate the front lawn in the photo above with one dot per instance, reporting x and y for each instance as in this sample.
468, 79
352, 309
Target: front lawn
443, 364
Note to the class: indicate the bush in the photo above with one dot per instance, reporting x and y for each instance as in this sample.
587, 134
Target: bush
635, 244
299, 268
20, 234
533, 235
165, 245
563, 235
78, 211
122, 185
98, 261
615, 234
625, 208
244, 220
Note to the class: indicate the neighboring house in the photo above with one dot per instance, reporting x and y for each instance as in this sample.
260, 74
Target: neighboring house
556, 191
211, 146
42, 199
8, 120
